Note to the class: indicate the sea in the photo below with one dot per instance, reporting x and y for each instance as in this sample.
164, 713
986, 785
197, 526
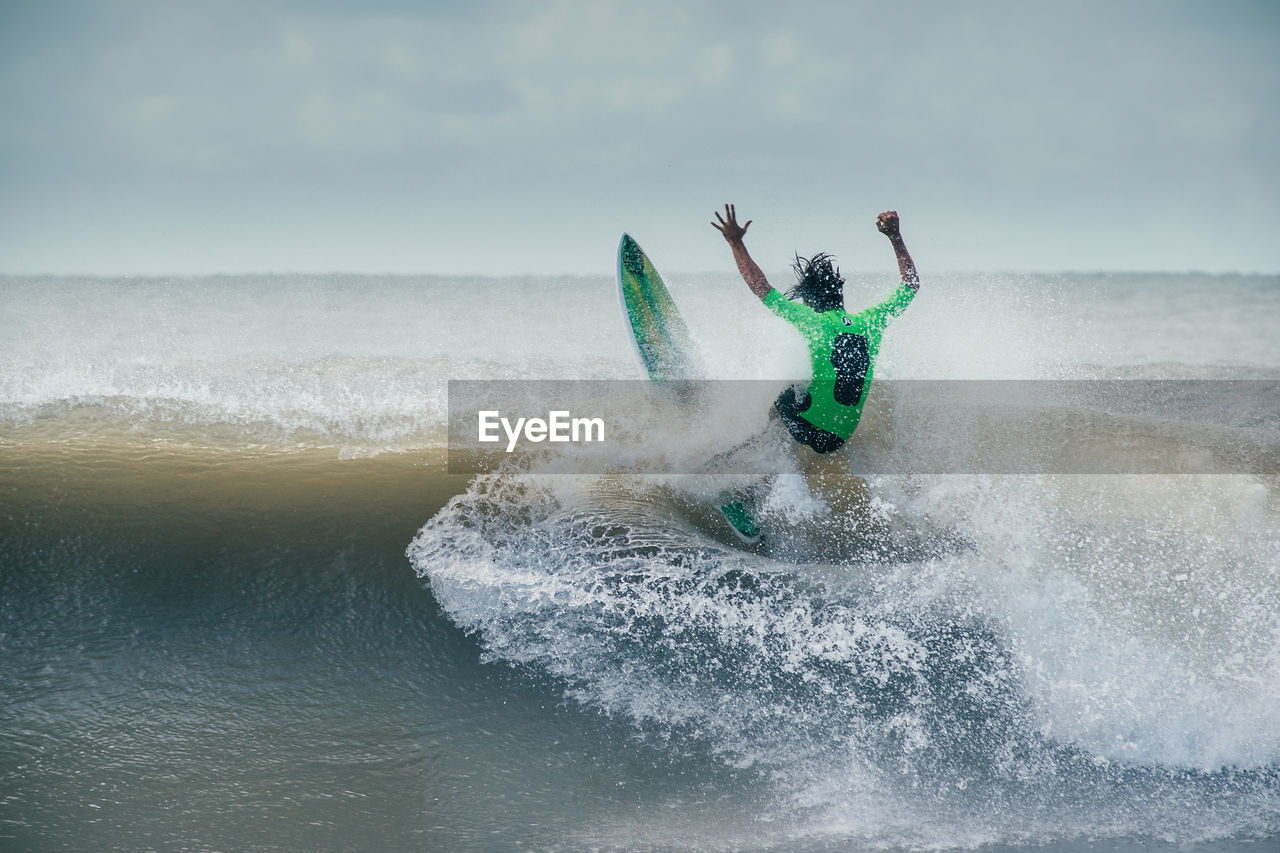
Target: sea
246, 603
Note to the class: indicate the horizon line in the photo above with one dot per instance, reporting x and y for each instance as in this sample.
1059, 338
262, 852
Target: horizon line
610, 274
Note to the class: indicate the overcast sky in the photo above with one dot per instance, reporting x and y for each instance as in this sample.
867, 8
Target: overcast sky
159, 136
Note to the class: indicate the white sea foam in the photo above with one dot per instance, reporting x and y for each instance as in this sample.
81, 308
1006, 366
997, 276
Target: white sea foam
1074, 669
364, 360
345, 360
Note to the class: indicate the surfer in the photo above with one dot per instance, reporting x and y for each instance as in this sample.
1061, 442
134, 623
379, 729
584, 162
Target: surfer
842, 346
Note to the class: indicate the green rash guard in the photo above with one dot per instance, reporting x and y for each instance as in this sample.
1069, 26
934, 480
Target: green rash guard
843, 348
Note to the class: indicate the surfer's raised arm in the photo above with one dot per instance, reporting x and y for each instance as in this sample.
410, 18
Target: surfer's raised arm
733, 234
891, 227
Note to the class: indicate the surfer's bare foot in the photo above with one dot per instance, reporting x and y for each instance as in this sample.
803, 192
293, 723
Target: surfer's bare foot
728, 225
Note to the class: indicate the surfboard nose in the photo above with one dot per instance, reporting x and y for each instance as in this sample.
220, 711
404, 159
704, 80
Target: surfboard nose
631, 255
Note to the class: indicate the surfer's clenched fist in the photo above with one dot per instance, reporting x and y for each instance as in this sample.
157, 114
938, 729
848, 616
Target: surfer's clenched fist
890, 227
888, 223
728, 225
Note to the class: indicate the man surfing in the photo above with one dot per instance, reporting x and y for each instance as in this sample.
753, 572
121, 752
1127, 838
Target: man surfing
842, 346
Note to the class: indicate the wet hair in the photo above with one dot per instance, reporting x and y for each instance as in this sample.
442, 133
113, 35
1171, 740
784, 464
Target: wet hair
819, 285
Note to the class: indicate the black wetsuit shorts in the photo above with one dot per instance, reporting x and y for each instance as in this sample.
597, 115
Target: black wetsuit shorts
789, 405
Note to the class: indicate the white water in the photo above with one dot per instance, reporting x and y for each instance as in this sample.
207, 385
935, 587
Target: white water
1101, 660
363, 360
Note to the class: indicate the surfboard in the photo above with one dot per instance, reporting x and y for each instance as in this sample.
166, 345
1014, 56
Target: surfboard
665, 348
659, 333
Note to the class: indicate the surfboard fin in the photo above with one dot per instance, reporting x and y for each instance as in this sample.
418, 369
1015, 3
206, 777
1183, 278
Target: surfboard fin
741, 522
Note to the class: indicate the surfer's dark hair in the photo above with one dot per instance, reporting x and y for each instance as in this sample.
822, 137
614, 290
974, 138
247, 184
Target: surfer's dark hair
819, 285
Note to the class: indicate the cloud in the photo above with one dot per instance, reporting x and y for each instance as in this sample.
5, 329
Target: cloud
337, 118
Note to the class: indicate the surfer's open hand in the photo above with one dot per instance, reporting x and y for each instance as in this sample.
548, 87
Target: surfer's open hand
728, 224
888, 223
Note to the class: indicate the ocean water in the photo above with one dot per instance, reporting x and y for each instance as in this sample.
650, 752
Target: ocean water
244, 605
